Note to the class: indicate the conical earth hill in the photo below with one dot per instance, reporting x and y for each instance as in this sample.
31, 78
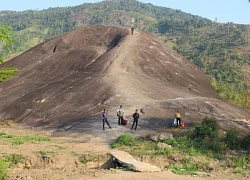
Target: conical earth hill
76, 75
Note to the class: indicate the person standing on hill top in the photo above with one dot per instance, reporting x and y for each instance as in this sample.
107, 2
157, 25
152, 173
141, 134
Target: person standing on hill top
178, 118
105, 119
132, 30
136, 117
120, 114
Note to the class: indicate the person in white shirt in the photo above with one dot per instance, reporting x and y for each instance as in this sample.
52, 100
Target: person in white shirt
120, 114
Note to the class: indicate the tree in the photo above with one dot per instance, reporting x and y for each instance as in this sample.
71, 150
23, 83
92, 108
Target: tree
6, 37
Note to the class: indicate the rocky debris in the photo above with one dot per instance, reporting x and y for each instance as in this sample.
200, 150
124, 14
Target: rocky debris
164, 136
160, 136
126, 160
24, 178
164, 145
154, 137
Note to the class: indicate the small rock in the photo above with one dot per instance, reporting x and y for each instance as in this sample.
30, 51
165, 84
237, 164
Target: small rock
29, 178
244, 175
163, 145
154, 137
165, 136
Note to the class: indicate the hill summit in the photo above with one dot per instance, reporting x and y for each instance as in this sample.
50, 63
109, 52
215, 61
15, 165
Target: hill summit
78, 74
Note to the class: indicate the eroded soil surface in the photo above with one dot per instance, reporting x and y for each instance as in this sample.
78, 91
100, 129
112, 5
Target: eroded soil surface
79, 156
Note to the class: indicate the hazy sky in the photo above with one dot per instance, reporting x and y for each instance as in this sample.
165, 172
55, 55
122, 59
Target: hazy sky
237, 11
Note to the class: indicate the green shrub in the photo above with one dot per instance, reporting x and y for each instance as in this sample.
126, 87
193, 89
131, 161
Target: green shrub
7, 73
123, 140
216, 145
209, 128
162, 151
17, 140
245, 142
206, 137
240, 161
3, 170
14, 159
231, 139
2, 134
186, 167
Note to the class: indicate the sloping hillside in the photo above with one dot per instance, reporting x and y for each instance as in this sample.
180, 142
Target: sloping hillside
220, 50
78, 74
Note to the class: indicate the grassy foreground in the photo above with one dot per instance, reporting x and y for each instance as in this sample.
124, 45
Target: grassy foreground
8, 161
202, 149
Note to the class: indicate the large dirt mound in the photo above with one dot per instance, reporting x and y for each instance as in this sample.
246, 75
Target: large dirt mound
76, 75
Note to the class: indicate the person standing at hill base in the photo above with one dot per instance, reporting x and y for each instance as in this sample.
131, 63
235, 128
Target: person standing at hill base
120, 114
132, 30
136, 117
178, 118
105, 119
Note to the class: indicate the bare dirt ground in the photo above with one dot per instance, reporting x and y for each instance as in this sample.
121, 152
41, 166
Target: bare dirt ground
60, 157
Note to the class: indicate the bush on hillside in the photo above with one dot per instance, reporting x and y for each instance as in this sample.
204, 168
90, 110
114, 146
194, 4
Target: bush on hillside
231, 139
208, 129
245, 142
7, 73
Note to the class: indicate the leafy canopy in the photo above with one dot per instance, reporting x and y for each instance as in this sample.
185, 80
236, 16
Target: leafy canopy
6, 38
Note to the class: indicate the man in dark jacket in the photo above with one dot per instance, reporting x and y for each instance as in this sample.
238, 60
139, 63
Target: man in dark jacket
132, 30
136, 117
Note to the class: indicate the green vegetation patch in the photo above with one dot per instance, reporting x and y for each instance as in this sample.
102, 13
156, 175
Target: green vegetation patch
7, 73
184, 169
13, 159
9, 161
199, 149
3, 170
124, 140
17, 140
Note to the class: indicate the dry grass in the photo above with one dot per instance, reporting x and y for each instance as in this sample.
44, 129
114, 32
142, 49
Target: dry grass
7, 122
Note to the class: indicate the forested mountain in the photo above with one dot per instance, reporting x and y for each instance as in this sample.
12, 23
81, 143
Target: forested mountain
221, 50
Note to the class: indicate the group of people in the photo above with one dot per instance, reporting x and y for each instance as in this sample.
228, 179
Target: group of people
120, 114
